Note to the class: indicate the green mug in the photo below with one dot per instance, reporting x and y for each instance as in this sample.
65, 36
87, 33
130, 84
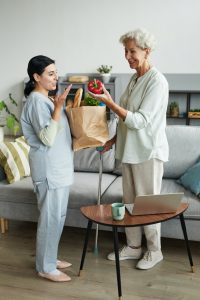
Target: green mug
118, 211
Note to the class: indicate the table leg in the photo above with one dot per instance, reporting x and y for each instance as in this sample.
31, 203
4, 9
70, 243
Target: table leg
116, 249
182, 220
85, 245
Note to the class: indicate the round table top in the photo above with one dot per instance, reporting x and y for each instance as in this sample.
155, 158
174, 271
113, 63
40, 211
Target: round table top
101, 214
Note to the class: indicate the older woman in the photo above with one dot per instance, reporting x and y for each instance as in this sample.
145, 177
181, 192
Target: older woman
141, 142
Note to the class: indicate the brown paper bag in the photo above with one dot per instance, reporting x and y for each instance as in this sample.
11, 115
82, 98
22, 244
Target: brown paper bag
88, 126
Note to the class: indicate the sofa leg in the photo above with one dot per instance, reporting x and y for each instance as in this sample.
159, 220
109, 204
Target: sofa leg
2, 225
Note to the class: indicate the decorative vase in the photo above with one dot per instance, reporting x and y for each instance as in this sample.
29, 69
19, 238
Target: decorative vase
105, 77
174, 112
1, 133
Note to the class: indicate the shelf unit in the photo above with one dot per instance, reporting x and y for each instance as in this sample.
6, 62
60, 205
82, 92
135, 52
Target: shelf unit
187, 103
185, 90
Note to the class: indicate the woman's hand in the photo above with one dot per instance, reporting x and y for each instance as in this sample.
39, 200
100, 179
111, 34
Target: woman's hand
108, 145
59, 101
105, 97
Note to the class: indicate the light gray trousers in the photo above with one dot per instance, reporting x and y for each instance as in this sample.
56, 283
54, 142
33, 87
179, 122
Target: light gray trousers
52, 205
142, 179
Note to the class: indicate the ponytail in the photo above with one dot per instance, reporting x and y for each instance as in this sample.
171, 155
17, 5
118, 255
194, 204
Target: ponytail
30, 85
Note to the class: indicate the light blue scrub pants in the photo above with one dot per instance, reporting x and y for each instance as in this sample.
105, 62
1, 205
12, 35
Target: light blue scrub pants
52, 204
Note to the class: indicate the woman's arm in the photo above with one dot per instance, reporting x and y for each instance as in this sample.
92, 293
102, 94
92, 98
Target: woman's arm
150, 106
48, 134
108, 145
107, 99
59, 101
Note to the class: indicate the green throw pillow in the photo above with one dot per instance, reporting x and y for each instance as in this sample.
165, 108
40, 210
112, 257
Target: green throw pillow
14, 159
191, 179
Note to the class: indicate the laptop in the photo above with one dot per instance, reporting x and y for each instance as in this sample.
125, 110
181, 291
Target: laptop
154, 204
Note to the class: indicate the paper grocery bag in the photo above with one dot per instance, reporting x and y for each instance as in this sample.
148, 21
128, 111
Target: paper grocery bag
88, 126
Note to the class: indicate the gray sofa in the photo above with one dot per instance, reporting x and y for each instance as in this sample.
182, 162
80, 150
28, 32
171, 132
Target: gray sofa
18, 202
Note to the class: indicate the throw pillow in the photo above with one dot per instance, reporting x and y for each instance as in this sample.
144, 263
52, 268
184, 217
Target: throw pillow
14, 159
191, 179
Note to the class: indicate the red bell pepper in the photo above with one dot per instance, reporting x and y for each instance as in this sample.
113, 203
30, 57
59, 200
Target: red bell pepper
95, 86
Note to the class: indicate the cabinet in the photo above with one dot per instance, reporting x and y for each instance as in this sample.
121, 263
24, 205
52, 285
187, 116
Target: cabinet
111, 87
185, 90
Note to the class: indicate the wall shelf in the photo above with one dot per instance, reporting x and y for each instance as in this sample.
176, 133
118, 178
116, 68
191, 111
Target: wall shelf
185, 90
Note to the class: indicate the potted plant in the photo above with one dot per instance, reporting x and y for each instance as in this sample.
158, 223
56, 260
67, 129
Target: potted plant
174, 109
8, 119
104, 71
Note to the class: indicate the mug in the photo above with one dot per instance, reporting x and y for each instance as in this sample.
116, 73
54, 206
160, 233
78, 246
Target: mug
118, 211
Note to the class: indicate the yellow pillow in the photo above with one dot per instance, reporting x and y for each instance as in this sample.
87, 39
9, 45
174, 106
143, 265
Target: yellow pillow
14, 159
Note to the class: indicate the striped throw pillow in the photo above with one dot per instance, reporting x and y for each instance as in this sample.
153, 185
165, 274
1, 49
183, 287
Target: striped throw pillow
14, 159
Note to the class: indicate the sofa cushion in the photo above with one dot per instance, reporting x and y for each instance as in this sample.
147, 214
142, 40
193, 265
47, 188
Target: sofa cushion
181, 154
88, 160
184, 149
171, 186
14, 160
114, 192
191, 179
84, 191
20, 191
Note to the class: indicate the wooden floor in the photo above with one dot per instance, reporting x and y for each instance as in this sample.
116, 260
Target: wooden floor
171, 279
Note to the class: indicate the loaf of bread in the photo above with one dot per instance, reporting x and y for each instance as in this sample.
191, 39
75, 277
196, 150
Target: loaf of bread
77, 98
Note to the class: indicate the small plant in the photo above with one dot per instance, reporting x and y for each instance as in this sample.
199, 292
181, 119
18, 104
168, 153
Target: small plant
195, 110
12, 121
104, 69
173, 105
174, 109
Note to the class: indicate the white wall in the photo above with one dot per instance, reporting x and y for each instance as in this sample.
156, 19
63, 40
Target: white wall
82, 34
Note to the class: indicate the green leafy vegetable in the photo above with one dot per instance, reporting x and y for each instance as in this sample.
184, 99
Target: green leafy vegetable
88, 100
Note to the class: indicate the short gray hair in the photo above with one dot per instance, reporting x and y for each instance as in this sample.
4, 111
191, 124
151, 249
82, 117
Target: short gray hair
142, 37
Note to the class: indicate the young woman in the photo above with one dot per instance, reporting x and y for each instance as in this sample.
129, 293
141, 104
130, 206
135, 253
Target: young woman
45, 127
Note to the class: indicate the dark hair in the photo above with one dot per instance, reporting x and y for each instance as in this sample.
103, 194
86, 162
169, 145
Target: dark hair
37, 64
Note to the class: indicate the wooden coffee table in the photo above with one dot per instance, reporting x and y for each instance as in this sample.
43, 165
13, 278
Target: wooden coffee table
101, 214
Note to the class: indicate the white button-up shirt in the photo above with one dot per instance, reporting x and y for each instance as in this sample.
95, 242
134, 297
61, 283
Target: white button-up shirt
141, 136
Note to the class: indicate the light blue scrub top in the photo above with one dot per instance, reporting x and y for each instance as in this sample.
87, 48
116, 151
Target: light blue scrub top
55, 163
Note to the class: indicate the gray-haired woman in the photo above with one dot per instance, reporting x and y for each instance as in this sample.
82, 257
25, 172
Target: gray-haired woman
141, 142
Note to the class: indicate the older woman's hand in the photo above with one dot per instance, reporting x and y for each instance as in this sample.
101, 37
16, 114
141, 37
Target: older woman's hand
105, 97
108, 145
